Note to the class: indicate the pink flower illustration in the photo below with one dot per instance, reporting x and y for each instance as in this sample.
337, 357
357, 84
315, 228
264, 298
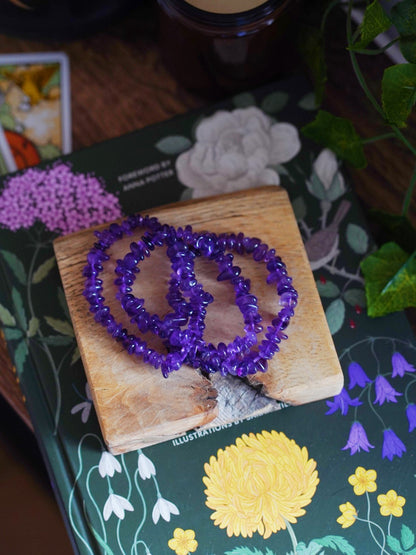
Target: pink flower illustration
64, 201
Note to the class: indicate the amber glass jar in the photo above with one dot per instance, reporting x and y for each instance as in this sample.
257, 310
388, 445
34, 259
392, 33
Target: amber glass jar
225, 46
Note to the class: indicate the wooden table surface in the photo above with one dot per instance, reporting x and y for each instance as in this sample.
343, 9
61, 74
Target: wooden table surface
119, 84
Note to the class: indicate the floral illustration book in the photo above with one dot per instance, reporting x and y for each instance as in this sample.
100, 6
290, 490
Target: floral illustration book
334, 476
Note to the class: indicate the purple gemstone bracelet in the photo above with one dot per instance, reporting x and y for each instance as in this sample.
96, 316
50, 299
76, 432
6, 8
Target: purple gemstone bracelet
239, 358
188, 299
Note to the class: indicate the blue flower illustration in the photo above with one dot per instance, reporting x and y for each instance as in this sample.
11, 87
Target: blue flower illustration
400, 365
357, 375
341, 402
392, 445
375, 391
411, 416
385, 391
357, 439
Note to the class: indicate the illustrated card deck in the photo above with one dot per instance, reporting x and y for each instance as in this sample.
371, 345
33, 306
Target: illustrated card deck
35, 111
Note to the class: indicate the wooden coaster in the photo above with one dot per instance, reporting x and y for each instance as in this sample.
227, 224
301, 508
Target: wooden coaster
135, 405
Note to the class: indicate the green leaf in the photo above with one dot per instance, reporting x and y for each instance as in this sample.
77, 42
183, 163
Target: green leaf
408, 49
403, 17
44, 270
395, 228
63, 303
15, 265
336, 189
61, 326
337, 543
394, 544
355, 297
244, 100
398, 93
33, 327
75, 355
407, 537
335, 315
329, 289
56, 340
357, 238
7, 319
390, 280
11, 334
274, 102
20, 356
316, 187
339, 135
308, 102
312, 50
173, 144
375, 21
20, 311
299, 208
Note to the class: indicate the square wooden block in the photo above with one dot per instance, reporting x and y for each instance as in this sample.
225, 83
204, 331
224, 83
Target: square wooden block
135, 405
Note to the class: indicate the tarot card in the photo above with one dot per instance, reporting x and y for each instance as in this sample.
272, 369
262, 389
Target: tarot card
34, 108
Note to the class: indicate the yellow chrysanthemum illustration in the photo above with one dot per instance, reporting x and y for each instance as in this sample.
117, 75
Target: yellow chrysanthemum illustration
259, 484
348, 515
183, 541
391, 503
363, 480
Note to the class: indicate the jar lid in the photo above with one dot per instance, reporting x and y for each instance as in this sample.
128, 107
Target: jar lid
224, 13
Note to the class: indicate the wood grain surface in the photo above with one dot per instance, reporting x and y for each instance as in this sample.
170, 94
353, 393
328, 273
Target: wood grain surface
119, 84
135, 405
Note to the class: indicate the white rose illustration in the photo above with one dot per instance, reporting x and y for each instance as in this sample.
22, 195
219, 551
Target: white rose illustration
233, 151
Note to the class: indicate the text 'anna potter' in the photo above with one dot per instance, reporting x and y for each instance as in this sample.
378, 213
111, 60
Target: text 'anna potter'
148, 174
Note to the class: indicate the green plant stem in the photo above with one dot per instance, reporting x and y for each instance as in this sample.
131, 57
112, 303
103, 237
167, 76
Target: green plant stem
403, 139
292, 536
375, 51
378, 138
409, 193
355, 65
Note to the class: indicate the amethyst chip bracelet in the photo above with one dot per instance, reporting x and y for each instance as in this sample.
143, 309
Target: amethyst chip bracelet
188, 299
174, 359
238, 358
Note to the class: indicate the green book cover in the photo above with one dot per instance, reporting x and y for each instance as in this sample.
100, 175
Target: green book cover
335, 476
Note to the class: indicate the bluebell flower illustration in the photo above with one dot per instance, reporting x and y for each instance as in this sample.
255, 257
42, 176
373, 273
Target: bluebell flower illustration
385, 391
400, 365
357, 375
411, 416
341, 402
375, 390
357, 439
393, 446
